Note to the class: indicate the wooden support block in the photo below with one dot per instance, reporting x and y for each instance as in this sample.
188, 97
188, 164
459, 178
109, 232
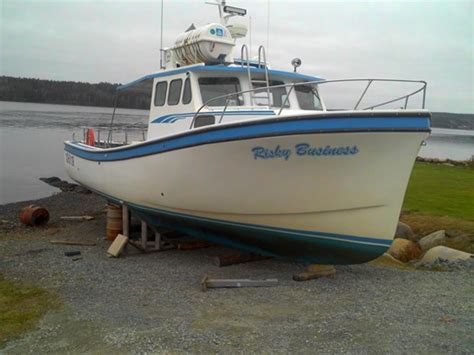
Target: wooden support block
117, 245
77, 218
315, 271
237, 258
194, 244
236, 283
125, 220
144, 234
71, 242
158, 243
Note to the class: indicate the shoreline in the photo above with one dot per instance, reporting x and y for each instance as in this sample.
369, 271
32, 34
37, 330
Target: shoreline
465, 163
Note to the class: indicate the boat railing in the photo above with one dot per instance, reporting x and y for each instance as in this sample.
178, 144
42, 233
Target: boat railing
104, 137
421, 90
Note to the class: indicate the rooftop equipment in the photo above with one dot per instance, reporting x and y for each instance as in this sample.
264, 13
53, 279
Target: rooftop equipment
209, 44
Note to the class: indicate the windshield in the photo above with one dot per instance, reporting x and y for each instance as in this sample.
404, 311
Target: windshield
308, 97
277, 95
214, 87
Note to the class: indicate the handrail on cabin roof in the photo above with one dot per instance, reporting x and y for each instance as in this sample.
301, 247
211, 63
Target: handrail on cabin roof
216, 68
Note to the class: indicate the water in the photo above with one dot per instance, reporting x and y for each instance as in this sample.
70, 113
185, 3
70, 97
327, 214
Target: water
447, 143
32, 135
31, 142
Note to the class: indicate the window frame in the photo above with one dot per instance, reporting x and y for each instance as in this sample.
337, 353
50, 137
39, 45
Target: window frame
240, 98
314, 94
273, 91
178, 98
187, 82
165, 95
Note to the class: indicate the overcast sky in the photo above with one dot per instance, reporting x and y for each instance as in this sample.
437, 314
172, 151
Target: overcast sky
117, 41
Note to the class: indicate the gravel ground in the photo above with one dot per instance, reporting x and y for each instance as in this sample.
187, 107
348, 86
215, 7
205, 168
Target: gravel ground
147, 303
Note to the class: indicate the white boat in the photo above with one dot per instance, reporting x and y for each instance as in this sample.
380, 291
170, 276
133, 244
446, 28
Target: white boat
250, 157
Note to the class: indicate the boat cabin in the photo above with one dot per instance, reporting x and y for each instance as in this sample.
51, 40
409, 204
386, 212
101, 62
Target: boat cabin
195, 96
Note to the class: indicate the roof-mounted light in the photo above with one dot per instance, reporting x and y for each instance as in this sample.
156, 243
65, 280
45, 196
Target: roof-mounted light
235, 10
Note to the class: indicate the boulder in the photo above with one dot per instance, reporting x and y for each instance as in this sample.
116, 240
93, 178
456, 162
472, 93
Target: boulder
404, 231
432, 240
404, 250
444, 254
459, 240
64, 185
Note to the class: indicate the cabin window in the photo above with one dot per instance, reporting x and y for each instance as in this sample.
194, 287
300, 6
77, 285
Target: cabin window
308, 97
160, 93
214, 87
175, 91
277, 95
204, 120
187, 96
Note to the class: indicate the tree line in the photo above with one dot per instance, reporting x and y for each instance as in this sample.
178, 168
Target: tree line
102, 94
69, 93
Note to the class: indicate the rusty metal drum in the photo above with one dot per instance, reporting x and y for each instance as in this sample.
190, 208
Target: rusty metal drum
34, 215
114, 221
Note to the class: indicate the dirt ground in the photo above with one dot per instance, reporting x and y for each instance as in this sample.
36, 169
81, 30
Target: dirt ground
153, 303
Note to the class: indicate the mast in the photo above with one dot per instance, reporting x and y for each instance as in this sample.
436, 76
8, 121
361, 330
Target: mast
161, 38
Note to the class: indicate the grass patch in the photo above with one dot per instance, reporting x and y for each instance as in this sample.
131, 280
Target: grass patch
21, 307
425, 224
440, 190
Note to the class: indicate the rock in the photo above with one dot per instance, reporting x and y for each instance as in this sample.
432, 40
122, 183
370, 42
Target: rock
81, 190
65, 186
50, 180
404, 250
459, 240
445, 254
432, 240
404, 231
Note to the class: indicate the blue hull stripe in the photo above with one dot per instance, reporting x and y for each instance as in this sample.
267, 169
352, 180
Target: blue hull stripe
254, 227
175, 117
249, 130
289, 232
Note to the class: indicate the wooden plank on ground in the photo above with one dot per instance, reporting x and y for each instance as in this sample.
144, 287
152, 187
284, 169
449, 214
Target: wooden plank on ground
77, 218
136, 245
236, 283
117, 245
73, 242
237, 258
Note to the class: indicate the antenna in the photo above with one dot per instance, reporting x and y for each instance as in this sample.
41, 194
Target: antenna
229, 10
268, 26
161, 38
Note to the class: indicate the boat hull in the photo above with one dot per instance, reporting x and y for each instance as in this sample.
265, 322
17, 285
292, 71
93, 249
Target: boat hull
306, 193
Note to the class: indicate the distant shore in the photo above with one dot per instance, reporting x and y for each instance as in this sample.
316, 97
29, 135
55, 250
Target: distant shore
466, 163
103, 94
